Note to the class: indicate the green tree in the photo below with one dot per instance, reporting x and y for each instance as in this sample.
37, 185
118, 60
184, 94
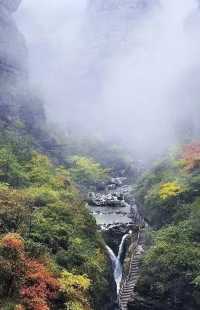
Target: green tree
86, 171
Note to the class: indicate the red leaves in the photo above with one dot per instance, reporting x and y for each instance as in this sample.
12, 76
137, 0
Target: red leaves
36, 286
191, 155
40, 286
12, 264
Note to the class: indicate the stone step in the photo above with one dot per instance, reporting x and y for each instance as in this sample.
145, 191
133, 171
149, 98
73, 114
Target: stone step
127, 289
127, 295
133, 276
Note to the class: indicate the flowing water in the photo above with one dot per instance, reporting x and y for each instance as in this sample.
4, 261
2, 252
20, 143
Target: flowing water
110, 215
116, 262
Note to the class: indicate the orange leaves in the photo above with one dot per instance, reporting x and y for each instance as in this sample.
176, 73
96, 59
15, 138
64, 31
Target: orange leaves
34, 297
13, 241
12, 264
38, 274
40, 286
191, 156
29, 278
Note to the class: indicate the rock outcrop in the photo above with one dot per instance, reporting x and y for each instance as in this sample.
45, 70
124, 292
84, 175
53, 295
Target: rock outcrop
13, 64
125, 5
13, 53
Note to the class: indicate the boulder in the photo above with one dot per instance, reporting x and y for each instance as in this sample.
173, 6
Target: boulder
116, 181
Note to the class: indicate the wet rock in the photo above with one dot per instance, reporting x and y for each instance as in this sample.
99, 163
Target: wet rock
101, 186
116, 181
110, 199
111, 187
113, 233
141, 303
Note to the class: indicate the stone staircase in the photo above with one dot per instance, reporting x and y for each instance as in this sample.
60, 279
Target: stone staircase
126, 293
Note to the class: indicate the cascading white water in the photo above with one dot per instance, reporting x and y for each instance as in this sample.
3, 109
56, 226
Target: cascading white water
116, 262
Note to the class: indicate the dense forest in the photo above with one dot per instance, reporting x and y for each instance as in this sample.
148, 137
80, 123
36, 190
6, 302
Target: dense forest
53, 254
169, 199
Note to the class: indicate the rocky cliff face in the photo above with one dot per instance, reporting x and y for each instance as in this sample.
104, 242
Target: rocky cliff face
131, 5
13, 58
107, 34
12, 45
112, 21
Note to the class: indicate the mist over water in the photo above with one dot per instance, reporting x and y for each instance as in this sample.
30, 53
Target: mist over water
127, 70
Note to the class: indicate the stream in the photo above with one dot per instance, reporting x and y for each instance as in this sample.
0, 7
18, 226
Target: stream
113, 206
114, 210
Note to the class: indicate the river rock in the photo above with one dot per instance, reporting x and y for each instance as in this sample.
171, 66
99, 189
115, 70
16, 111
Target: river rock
111, 187
116, 181
110, 199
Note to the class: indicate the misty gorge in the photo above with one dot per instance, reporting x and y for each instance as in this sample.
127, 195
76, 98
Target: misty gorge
99, 155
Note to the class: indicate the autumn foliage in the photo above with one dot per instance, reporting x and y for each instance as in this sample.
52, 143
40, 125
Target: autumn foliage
170, 190
13, 242
12, 264
25, 277
40, 286
42, 220
191, 156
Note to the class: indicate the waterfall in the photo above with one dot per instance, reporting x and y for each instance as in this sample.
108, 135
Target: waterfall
121, 247
116, 262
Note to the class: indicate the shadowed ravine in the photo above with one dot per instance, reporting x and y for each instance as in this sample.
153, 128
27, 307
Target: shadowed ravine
121, 224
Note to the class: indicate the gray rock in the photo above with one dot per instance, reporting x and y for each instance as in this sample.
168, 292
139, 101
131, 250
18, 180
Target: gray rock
13, 63
10, 5
13, 52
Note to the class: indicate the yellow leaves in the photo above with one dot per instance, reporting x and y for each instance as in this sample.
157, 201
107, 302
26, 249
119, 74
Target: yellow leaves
13, 241
75, 287
74, 305
170, 190
71, 283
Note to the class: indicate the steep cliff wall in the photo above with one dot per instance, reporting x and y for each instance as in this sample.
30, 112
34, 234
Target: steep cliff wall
13, 59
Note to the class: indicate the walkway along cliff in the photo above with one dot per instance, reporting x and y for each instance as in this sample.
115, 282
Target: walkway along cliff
126, 293
124, 233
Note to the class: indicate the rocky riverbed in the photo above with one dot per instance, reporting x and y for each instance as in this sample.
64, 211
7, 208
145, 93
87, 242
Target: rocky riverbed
114, 210
113, 206
116, 214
